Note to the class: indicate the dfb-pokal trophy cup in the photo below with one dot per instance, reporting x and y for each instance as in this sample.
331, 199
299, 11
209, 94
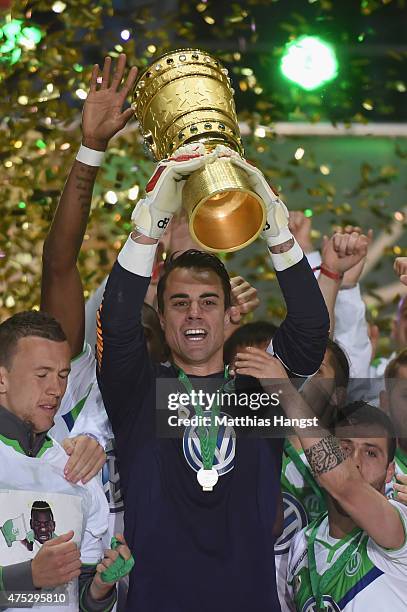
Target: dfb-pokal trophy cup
185, 97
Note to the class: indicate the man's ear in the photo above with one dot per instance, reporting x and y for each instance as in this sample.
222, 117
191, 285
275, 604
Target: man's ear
391, 468
228, 317
384, 401
3, 379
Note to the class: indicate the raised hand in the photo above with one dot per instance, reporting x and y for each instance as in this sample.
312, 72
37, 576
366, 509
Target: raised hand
244, 298
261, 365
343, 251
351, 276
300, 227
102, 115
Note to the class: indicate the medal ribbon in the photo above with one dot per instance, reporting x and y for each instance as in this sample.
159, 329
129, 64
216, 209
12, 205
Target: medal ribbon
207, 438
320, 582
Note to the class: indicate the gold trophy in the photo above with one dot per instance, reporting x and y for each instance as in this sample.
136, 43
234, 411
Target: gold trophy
185, 96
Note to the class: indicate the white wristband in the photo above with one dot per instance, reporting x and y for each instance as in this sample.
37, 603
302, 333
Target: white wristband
90, 157
282, 261
137, 258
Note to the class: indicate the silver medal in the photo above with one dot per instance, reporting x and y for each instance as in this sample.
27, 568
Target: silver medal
207, 478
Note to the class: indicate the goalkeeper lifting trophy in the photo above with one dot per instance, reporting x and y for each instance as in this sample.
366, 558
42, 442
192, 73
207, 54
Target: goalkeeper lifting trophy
186, 97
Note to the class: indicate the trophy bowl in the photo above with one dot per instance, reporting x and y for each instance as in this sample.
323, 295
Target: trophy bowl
185, 96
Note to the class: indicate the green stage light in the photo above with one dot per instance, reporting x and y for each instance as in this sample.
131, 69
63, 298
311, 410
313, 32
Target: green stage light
310, 62
14, 37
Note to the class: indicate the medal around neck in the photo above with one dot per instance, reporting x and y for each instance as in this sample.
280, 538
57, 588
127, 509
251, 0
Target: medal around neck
184, 97
207, 478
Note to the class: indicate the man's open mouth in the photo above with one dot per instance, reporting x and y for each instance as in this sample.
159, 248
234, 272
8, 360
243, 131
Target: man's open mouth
195, 335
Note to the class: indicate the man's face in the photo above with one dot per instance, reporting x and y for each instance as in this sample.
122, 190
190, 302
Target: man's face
33, 386
42, 525
399, 332
369, 453
394, 401
194, 317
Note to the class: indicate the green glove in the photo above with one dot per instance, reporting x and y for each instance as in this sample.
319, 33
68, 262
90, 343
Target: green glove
119, 568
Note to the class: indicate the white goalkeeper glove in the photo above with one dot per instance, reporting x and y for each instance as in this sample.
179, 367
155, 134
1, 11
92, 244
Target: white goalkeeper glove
163, 199
276, 229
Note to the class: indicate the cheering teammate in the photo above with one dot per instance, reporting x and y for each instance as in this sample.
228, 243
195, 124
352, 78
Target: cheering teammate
34, 366
356, 554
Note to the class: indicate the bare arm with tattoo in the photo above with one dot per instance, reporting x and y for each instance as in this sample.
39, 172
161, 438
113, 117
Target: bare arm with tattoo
61, 290
336, 471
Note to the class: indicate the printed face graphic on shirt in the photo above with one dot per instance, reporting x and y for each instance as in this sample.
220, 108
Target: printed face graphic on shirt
42, 522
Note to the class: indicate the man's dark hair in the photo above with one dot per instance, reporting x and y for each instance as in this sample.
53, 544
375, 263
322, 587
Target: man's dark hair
340, 363
41, 506
250, 334
24, 325
362, 413
194, 260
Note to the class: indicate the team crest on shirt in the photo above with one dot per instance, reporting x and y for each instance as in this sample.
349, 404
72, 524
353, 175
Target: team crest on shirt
329, 604
224, 459
295, 519
353, 564
111, 480
313, 506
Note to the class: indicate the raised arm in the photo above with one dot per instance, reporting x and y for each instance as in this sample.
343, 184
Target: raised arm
340, 253
335, 470
125, 372
61, 290
300, 341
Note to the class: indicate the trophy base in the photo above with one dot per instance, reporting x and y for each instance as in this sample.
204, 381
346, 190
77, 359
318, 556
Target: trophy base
224, 213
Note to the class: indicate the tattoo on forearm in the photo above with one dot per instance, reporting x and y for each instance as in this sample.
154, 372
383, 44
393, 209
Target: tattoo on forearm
85, 180
325, 455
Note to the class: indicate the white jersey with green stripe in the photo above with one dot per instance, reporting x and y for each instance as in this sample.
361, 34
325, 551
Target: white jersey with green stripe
38, 504
302, 503
82, 409
354, 574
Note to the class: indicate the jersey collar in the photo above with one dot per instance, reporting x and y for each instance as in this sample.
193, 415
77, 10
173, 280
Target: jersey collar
14, 432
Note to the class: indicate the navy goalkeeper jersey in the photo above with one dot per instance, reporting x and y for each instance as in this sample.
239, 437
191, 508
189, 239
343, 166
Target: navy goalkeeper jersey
197, 551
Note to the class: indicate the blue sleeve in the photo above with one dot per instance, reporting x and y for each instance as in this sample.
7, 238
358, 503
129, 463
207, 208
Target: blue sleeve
124, 369
301, 340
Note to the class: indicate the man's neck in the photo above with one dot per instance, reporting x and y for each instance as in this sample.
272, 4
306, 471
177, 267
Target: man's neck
212, 366
340, 525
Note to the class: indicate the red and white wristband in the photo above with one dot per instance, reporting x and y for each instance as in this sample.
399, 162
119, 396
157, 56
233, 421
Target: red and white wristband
333, 275
90, 157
